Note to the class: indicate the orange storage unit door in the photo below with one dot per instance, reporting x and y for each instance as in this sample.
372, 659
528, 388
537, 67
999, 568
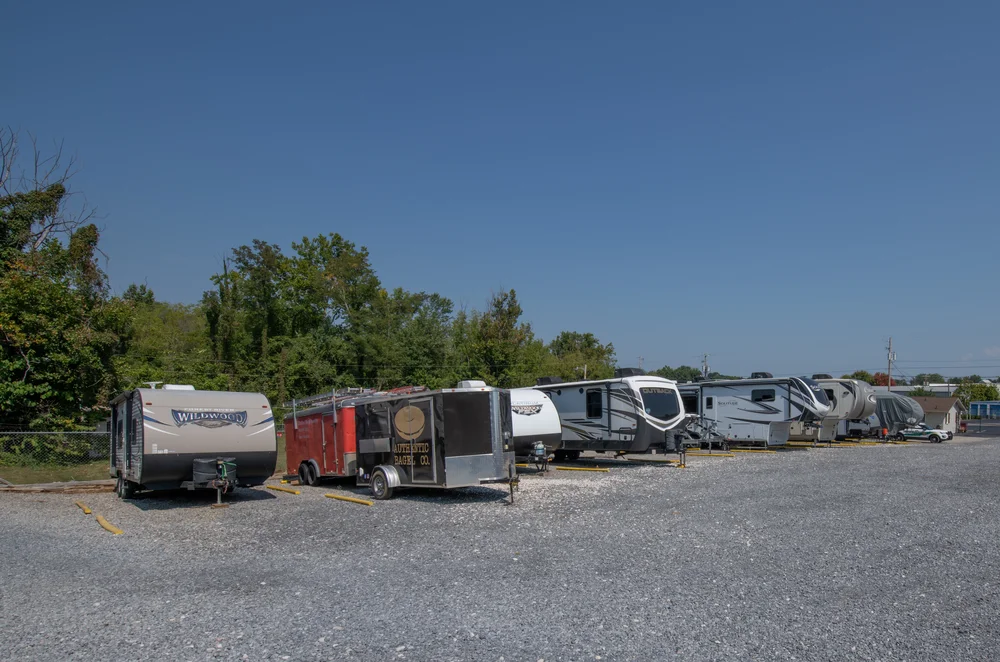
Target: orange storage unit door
347, 437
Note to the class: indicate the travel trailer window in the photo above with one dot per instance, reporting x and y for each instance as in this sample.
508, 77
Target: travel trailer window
594, 409
709, 402
660, 403
762, 395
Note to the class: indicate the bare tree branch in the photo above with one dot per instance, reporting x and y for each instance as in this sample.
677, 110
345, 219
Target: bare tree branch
43, 173
8, 155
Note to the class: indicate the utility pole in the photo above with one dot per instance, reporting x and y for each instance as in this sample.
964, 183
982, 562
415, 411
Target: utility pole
892, 357
704, 366
640, 363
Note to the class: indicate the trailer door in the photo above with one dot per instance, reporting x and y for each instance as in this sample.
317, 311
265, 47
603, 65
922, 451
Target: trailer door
332, 451
414, 452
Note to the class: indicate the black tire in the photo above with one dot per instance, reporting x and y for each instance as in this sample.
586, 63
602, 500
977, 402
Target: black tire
936, 439
379, 485
306, 474
128, 489
119, 487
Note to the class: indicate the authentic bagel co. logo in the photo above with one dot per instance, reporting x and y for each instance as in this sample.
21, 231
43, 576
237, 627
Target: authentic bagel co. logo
527, 409
409, 422
209, 419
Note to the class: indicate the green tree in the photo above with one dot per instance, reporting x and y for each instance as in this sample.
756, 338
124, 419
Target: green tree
928, 378
972, 392
684, 373
573, 351
60, 329
139, 294
861, 375
498, 343
921, 392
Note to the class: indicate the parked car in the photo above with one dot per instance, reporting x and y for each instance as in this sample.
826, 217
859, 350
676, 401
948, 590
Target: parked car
924, 431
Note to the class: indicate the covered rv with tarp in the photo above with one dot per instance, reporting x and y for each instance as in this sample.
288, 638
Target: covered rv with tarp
896, 412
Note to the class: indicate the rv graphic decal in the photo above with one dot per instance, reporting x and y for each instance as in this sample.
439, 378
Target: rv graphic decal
209, 419
527, 410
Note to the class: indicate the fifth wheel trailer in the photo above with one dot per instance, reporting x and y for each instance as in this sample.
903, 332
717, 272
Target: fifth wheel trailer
176, 437
753, 411
850, 400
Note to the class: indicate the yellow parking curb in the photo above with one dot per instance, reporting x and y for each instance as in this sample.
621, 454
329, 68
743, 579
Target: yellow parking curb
108, 526
363, 502
689, 454
283, 489
83, 507
583, 469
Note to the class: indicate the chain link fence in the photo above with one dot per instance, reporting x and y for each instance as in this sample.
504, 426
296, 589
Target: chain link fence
34, 457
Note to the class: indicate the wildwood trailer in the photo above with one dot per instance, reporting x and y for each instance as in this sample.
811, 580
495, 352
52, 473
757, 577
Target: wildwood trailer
176, 437
450, 438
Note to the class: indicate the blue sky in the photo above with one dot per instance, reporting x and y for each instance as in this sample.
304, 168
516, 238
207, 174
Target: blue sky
782, 185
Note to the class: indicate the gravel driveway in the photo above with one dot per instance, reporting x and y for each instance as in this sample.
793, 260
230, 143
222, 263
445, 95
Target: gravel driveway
872, 553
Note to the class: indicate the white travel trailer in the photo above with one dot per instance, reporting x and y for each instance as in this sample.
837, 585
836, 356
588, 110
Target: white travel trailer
631, 413
850, 400
176, 437
535, 420
753, 411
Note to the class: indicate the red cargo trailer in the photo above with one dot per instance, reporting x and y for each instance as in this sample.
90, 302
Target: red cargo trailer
320, 442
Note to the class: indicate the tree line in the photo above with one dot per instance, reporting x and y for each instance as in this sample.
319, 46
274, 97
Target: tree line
287, 324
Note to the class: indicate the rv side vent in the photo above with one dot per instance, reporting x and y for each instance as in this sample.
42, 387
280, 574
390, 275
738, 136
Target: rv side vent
177, 387
761, 375
629, 372
545, 381
472, 383
822, 376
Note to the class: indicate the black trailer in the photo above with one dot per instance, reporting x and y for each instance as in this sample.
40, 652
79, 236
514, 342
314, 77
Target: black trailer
450, 438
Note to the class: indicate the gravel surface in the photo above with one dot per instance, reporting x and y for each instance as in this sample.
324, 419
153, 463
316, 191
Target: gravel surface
872, 553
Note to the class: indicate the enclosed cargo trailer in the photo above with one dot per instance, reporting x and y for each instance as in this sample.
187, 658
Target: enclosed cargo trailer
450, 438
177, 437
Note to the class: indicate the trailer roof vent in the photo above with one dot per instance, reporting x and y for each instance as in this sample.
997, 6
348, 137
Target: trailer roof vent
178, 387
629, 372
545, 381
761, 375
472, 383
822, 375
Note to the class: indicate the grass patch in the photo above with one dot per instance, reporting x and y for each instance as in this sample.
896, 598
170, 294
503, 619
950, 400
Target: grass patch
43, 473
50, 473
280, 467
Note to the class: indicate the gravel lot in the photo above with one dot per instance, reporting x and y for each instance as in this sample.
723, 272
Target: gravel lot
872, 553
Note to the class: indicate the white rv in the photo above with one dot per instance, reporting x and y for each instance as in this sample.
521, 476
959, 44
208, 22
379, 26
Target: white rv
535, 420
850, 400
752, 411
631, 413
177, 437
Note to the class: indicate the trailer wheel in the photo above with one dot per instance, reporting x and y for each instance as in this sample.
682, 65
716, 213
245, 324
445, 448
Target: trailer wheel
127, 490
380, 487
306, 474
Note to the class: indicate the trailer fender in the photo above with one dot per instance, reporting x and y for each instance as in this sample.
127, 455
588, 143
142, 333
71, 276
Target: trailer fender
391, 474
